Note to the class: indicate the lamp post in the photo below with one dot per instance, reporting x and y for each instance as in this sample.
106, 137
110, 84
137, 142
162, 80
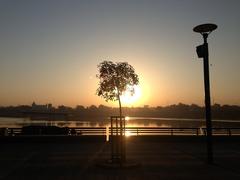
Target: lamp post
202, 52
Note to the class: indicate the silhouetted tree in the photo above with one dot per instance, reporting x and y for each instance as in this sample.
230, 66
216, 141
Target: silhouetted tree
115, 78
79, 108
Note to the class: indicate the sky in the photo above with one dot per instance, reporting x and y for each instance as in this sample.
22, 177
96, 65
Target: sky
50, 49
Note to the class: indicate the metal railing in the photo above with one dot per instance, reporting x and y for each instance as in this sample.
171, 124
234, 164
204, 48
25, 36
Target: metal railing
137, 131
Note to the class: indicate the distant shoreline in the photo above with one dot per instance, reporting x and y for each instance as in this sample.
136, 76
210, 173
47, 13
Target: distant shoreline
79, 113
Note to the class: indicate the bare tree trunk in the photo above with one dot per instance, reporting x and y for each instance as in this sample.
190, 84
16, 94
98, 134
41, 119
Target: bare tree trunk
122, 140
120, 105
120, 111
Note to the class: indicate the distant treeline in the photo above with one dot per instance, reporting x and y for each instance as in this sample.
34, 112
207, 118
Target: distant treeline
231, 112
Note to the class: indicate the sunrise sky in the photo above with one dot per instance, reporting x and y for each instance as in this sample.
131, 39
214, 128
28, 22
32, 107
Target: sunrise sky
50, 49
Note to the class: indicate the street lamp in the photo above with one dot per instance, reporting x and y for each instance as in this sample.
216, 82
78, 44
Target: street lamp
202, 52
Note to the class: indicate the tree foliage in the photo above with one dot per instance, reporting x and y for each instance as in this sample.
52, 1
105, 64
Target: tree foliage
115, 78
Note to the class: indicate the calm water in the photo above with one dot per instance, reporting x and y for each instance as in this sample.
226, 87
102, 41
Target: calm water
132, 121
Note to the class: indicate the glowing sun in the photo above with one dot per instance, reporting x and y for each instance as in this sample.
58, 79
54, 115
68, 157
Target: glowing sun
128, 97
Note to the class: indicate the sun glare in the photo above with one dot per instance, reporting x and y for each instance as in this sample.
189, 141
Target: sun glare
127, 133
129, 98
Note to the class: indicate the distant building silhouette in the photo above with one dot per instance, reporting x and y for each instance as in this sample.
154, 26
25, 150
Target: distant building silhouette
36, 107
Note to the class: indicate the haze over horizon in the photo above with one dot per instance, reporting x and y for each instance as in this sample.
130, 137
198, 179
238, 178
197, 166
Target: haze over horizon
50, 50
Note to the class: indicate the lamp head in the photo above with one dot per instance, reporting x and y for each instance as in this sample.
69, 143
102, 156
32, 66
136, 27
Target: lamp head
205, 28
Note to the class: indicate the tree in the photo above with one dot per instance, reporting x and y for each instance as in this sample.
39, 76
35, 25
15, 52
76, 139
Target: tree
116, 78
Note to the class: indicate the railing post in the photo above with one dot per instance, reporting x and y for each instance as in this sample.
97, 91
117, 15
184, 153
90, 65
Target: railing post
12, 133
229, 132
112, 155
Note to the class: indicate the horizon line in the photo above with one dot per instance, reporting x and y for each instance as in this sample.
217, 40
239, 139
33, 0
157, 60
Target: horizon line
143, 106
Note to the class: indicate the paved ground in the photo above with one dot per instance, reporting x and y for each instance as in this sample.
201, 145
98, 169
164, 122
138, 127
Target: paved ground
160, 159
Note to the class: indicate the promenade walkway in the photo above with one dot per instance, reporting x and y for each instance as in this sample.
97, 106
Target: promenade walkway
163, 158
